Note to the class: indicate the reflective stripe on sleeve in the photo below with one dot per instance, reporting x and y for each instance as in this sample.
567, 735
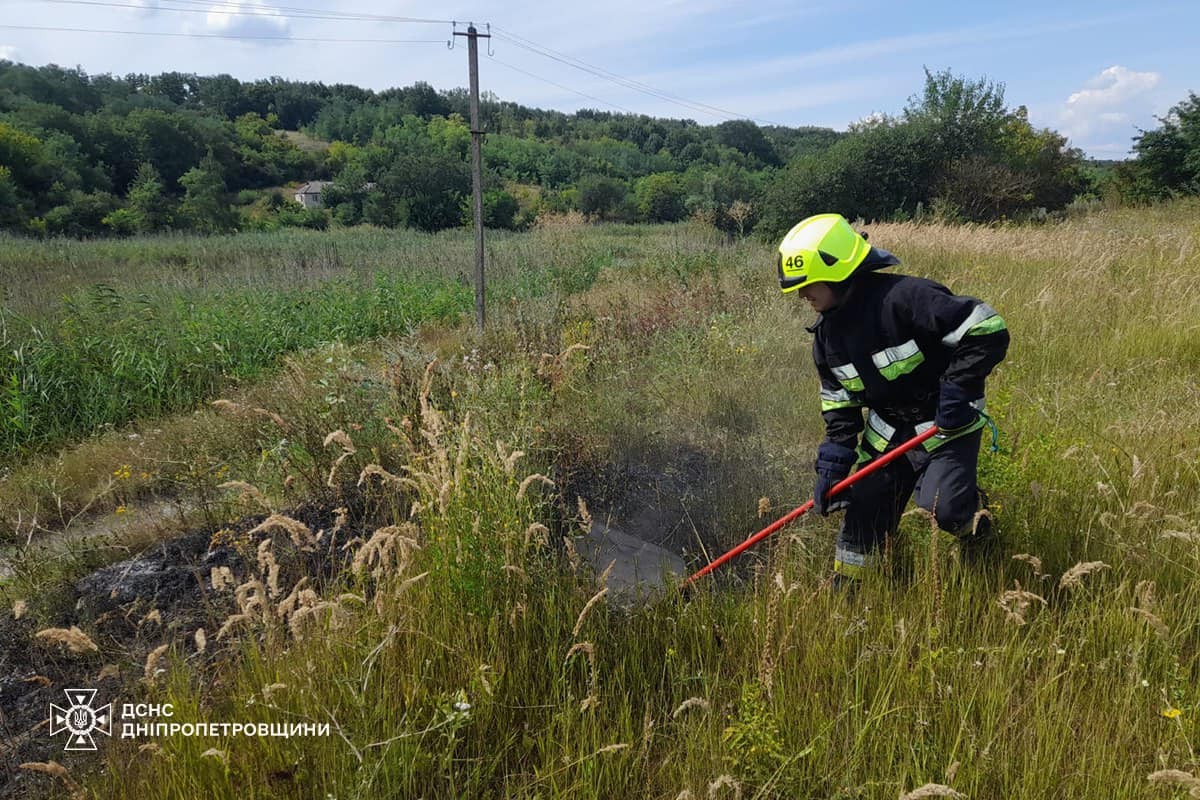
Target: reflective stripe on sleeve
989, 325
878, 433
893, 362
934, 442
982, 319
848, 376
832, 400
880, 426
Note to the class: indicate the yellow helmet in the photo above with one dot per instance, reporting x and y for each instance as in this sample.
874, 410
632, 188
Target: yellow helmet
820, 248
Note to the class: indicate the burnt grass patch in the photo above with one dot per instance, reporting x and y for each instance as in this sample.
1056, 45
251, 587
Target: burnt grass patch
690, 501
682, 498
116, 606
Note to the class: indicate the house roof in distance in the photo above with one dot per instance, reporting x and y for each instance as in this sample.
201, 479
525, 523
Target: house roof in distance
312, 187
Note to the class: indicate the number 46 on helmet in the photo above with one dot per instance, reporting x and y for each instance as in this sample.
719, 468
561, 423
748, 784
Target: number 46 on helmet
819, 249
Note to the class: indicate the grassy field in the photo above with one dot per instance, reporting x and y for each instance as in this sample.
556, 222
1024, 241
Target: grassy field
457, 654
96, 334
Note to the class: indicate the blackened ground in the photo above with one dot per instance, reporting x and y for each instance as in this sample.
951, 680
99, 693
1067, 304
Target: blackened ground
675, 506
661, 511
111, 605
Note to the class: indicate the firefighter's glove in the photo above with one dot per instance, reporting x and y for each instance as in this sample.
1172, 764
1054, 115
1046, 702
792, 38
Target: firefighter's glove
833, 464
954, 408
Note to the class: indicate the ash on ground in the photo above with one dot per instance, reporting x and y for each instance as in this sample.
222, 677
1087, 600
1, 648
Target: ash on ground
657, 519
128, 609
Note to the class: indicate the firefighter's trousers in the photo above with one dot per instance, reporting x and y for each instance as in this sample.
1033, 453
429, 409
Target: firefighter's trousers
942, 482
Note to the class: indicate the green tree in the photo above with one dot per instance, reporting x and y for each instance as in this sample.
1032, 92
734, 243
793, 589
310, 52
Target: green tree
964, 117
261, 158
12, 210
223, 95
791, 143
168, 140
499, 209
601, 197
427, 190
711, 194
523, 160
204, 205
1168, 158
147, 200
1055, 171
452, 136
22, 154
877, 173
956, 146
347, 193
174, 86
746, 137
659, 197
122, 222
81, 215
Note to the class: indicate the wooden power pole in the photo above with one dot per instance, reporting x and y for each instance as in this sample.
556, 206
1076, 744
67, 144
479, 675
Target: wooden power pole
476, 167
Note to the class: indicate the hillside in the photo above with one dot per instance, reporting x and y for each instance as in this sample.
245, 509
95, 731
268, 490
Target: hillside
97, 155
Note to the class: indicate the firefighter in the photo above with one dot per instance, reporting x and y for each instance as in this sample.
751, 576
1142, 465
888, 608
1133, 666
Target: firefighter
895, 355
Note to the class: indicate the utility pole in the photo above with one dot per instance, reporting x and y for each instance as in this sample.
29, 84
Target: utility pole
476, 166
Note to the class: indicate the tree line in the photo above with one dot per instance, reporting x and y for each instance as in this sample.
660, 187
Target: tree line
89, 155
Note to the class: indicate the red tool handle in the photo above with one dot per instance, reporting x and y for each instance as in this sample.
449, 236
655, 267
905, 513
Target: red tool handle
878, 463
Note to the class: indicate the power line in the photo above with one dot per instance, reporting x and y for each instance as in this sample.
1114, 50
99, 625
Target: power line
233, 8
236, 6
613, 77
595, 72
238, 11
222, 35
560, 86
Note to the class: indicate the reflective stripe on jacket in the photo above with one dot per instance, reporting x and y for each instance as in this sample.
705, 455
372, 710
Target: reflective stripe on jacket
888, 346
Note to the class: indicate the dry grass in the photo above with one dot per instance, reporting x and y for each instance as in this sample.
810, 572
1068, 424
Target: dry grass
932, 790
467, 621
687, 705
1073, 577
596, 598
56, 770
72, 638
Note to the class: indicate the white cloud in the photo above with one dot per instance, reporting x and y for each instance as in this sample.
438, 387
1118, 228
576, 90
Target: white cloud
1109, 102
9, 53
872, 120
791, 61
245, 18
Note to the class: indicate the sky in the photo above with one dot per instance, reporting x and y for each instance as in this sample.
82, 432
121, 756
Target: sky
1095, 71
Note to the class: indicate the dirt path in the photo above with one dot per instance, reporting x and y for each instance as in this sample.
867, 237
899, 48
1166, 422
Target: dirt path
149, 516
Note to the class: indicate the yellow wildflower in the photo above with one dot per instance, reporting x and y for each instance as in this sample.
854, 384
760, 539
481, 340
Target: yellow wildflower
1171, 713
122, 510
